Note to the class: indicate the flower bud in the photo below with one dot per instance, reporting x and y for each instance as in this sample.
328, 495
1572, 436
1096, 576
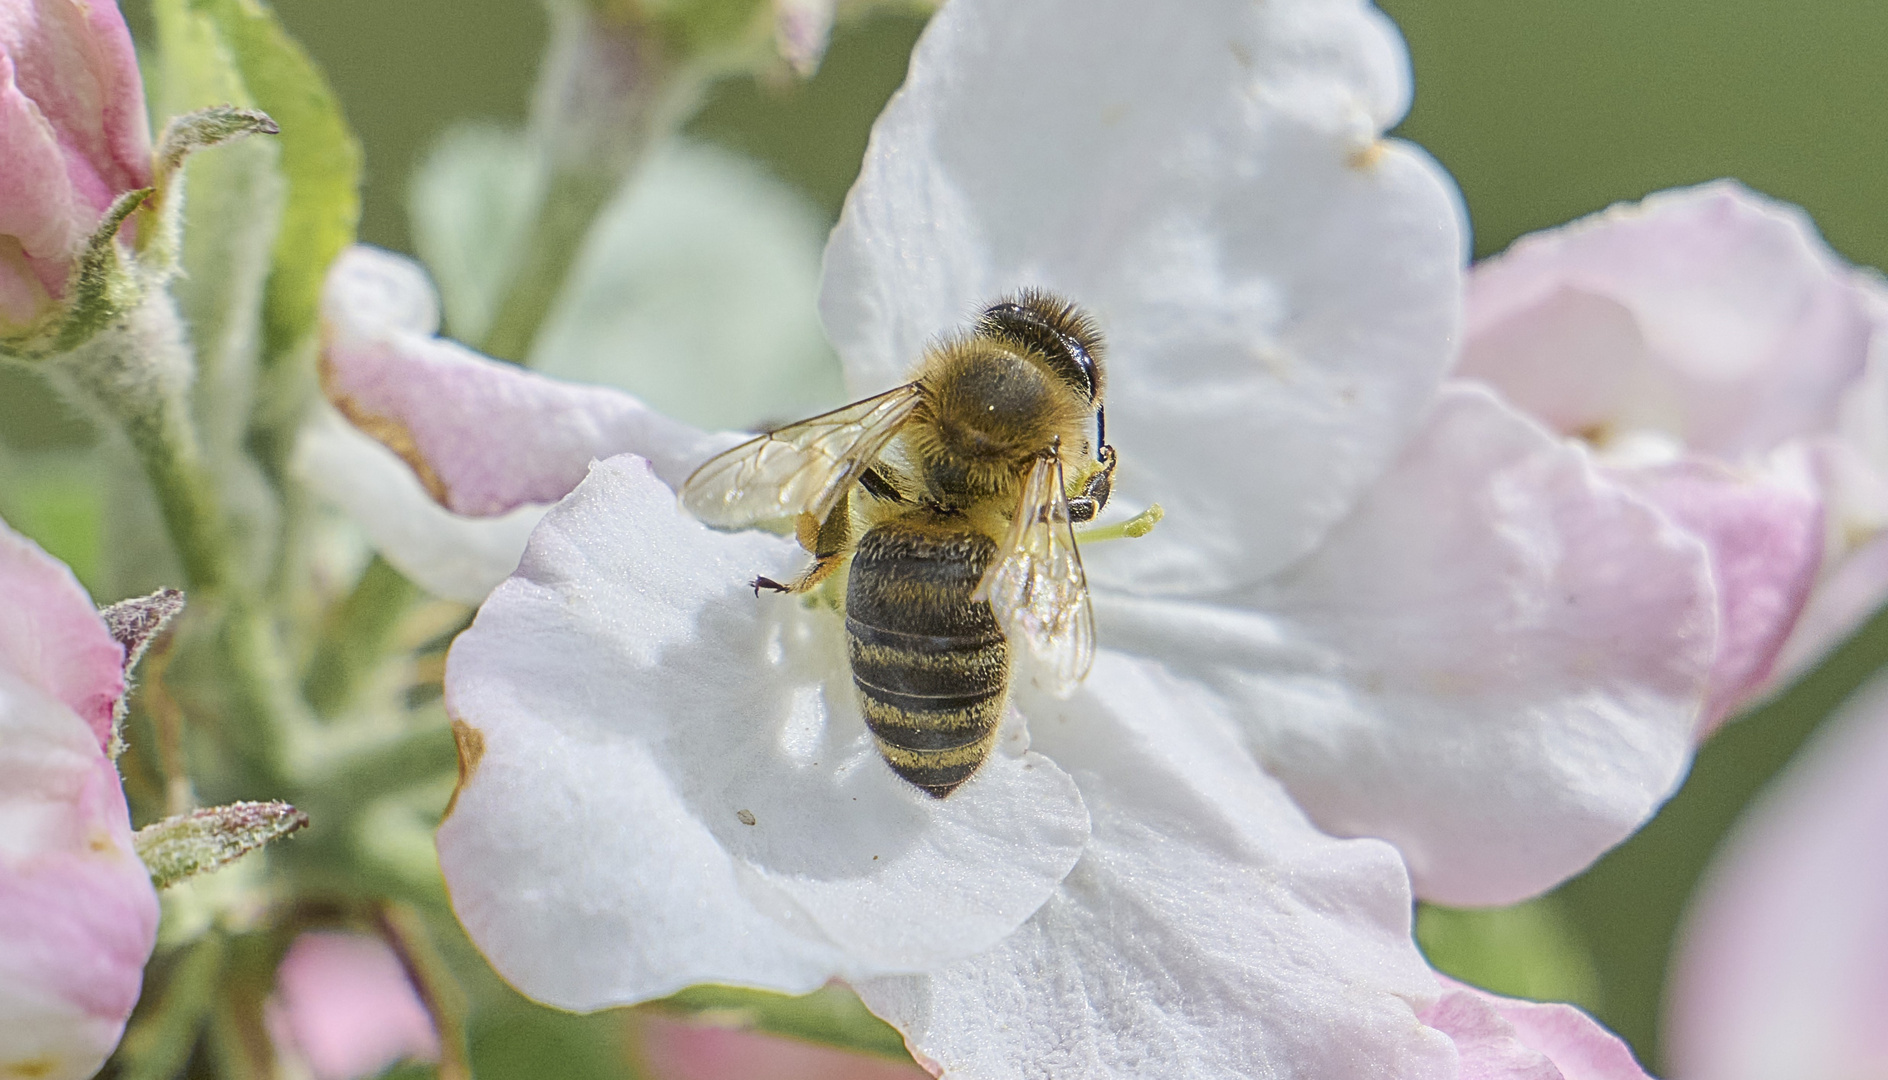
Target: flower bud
73, 138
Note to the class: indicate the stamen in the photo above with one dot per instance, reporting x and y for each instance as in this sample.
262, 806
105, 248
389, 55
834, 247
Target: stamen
1137, 526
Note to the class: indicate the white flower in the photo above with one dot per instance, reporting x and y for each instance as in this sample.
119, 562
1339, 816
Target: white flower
1379, 607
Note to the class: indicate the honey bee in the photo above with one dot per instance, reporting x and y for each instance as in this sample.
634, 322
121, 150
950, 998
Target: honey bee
949, 497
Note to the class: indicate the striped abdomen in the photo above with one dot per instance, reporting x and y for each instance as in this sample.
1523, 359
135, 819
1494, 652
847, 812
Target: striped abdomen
930, 663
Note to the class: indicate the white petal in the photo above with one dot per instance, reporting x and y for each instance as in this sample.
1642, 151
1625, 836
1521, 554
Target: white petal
450, 555
1496, 664
1209, 931
1279, 286
371, 293
637, 706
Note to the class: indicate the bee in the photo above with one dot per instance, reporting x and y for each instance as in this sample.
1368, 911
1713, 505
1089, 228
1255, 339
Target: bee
950, 498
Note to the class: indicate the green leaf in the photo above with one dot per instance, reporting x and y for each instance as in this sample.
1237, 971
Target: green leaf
831, 1015
320, 160
1530, 950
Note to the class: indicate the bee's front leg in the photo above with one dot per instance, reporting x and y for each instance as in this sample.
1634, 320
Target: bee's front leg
1094, 496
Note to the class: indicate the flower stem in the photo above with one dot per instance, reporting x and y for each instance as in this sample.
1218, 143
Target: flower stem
610, 88
405, 930
137, 374
571, 204
356, 635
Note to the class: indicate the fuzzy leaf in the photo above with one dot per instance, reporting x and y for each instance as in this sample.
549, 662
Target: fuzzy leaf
184, 846
320, 159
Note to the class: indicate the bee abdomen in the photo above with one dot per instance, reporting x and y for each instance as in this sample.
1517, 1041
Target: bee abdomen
931, 665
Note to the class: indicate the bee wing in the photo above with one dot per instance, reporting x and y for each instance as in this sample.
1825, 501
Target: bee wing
802, 468
1036, 585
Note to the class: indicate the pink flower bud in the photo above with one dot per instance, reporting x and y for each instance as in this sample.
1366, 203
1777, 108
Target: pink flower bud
343, 1005
73, 136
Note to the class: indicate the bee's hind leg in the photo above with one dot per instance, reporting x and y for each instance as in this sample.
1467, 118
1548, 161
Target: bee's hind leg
828, 541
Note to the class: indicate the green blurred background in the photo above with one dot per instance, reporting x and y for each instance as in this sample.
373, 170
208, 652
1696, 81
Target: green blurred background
1542, 111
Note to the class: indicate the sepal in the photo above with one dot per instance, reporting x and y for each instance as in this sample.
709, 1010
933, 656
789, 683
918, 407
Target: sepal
181, 847
160, 226
135, 623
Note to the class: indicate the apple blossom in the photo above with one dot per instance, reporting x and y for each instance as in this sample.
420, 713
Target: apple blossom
1505, 1038
345, 1008
1705, 342
78, 915
73, 137
1379, 607
1778, 967
1854, 470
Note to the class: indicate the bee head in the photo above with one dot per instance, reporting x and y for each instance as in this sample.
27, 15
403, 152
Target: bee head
1061, 335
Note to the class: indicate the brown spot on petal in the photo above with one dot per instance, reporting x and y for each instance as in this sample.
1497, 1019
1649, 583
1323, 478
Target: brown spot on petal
471, 744
1367, 157
388, 431
746, 816
100, 843
31, 1067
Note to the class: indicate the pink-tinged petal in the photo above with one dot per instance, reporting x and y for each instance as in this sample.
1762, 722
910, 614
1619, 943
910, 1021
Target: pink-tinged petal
344, 1005
676, 1049
1507, 1039
1497, 663
484, 437
667, 780
41, 217
23, 297
1840, 604
1279, 286
1782, 965
78, 916
52, 636
447, 554
1710, 313
1208, 932
1765, 535
77, 64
